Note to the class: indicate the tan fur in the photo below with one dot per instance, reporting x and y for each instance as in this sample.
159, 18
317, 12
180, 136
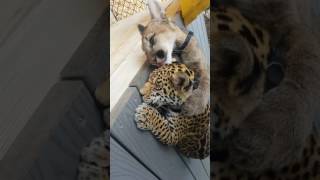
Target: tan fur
167, 35
280, 127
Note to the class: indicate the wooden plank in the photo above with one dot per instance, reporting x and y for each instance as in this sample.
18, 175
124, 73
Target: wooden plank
173, 8
34, 54
123, 75
122, 103
90, 61
126, 54
124, 166
196, 167
50, 143
163, 160
124, 36
206, 164
11, 14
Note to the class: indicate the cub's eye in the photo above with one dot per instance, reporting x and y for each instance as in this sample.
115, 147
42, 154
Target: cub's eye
151, 40
186, 88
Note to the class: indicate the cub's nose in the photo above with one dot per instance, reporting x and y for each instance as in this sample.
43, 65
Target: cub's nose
161, 54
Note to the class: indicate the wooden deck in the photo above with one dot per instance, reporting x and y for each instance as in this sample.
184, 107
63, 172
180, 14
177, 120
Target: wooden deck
37, 39
136, 154
67, 118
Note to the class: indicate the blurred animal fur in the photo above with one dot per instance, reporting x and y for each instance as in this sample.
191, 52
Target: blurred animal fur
273, 135
159, 39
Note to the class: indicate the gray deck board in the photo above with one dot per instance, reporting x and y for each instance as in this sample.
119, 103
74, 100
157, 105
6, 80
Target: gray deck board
196, 167
90, 62
163, 160
12, 13
124, 166
49, 145
206, 164
34, 52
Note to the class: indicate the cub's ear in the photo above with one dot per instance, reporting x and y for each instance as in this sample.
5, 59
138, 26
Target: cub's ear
156, 10
141, 28
181, 81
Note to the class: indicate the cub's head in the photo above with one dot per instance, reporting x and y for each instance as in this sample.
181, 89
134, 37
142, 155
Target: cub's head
169, 85
240, 50
158, 36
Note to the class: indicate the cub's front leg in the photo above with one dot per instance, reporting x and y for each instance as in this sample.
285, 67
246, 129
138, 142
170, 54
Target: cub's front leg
165, 129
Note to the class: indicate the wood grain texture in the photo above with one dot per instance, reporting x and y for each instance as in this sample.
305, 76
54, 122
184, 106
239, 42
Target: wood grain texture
163, 160
206, 165
12, 14
196, 168
124, 166
49, 146
34, 54
122, 104
126, 55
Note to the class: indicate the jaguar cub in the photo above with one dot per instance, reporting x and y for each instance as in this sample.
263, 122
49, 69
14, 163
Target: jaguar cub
167, 88
239, 67
240, 49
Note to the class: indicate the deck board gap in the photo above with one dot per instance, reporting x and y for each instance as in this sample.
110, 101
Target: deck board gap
205, 168
133, 155
180, 156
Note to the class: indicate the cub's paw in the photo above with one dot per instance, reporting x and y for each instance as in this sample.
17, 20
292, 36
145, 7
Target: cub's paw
142, 117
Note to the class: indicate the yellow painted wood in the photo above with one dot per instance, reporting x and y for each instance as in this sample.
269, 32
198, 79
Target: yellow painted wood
190, 9
173, 8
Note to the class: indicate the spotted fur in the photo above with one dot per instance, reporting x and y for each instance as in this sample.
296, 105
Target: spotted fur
94, 163
238, 78
160, 38
169, 87
263, 135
